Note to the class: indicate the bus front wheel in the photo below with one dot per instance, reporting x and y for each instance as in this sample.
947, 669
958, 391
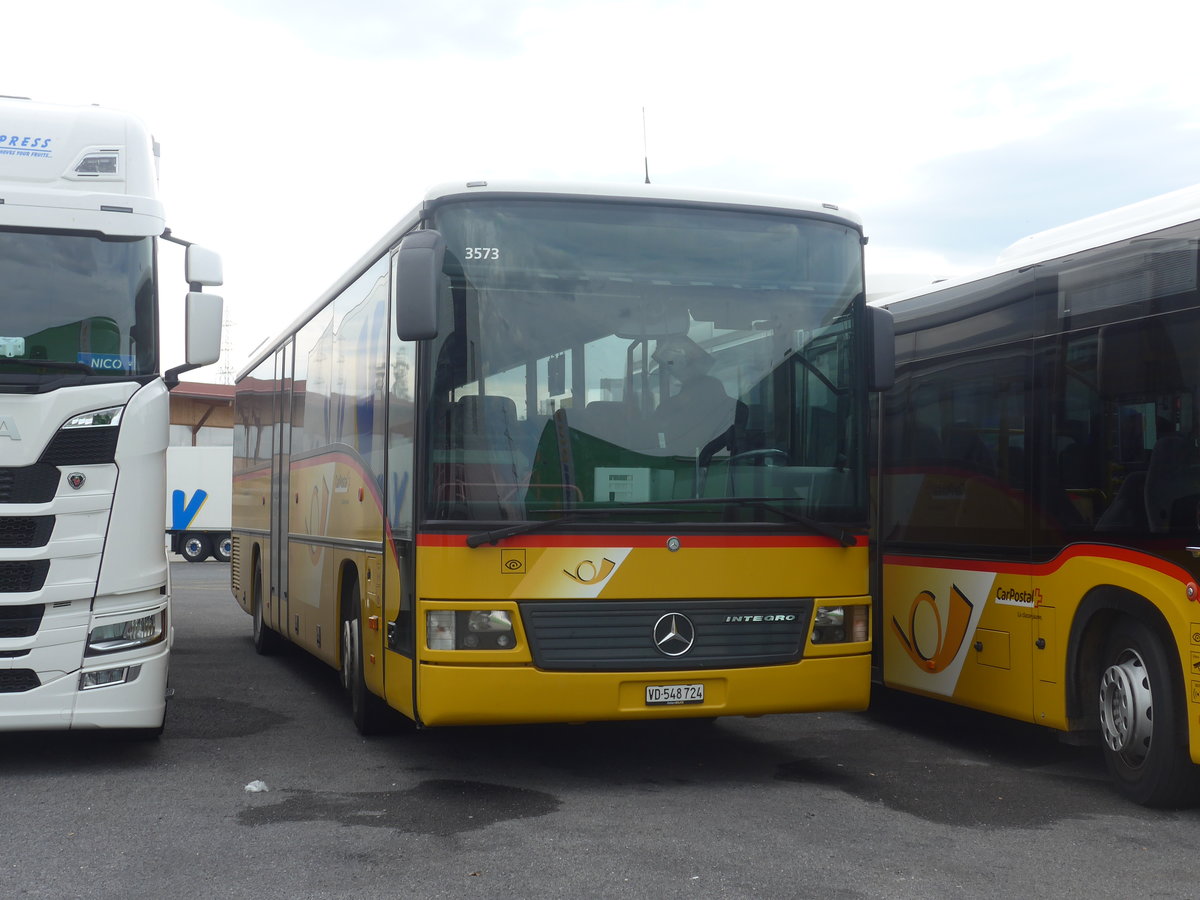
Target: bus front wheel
370, 713
1144, 737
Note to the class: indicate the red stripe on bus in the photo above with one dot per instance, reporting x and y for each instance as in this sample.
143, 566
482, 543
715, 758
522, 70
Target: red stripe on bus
642, 540
1075, 551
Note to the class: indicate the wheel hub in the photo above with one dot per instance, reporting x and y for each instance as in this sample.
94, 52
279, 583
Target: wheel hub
349, 649
1127, 708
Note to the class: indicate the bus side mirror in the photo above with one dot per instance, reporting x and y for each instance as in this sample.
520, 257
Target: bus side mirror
881, 349
416, 273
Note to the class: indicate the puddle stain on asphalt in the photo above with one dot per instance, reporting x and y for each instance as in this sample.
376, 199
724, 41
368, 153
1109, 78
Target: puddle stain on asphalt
208, 718
439, 807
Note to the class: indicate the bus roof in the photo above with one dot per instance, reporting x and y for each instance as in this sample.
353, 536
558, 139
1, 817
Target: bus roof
1119, 224
641, 193
77, 167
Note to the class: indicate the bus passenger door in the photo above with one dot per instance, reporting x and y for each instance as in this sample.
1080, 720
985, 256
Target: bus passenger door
399, 587
957, 587
280, 490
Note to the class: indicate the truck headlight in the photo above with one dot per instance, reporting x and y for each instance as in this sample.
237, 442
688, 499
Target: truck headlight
113, 637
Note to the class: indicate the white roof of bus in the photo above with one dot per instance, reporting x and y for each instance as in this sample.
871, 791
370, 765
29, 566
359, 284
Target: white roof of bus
1119, 224
639, 191
633, 191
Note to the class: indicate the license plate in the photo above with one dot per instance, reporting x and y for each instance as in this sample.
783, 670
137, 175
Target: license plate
673, 694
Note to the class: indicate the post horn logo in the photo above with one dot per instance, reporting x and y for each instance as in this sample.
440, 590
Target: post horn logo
933, 652
587, 572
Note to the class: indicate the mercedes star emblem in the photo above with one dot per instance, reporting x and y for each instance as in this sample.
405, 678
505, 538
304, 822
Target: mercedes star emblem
674, 634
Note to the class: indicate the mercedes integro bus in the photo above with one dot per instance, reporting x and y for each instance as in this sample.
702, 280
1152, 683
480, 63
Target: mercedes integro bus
572, 453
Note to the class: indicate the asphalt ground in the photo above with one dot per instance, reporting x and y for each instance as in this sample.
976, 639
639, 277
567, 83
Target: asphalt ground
913, 799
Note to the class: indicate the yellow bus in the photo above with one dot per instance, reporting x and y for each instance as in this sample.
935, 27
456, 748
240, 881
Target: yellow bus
571, 453
1039, 500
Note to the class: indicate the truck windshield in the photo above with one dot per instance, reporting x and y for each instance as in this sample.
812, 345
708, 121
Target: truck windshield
608, 355
76, 303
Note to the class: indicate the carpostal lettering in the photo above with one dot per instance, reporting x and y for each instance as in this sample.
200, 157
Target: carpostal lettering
1012, 597
777, 617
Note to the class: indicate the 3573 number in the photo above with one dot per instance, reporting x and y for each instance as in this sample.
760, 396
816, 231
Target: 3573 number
483, 253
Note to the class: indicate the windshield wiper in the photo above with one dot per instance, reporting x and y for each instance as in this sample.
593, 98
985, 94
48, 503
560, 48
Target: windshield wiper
49, 364
771, 504
567, 516
843, 537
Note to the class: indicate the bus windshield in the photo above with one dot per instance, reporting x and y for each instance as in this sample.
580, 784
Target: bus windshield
661, 362
76, 303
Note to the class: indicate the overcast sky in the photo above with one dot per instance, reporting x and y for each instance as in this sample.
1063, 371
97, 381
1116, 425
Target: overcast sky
294, 133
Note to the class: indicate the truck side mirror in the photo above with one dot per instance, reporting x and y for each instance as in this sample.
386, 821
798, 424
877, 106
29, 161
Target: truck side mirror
203, 267
203, 324
416, 274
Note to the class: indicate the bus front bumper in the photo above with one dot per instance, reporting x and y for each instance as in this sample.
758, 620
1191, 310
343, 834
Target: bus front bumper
487, 695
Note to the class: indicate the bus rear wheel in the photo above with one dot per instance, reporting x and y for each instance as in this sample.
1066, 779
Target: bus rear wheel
370, 714
1144, 739
266, 641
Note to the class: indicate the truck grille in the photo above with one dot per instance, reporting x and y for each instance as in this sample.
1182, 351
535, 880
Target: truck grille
21, 621
82, 447
23, 577
25, 531
16, 681
617, 636
28, 484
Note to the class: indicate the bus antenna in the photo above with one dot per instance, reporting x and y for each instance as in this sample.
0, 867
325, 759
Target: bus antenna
645, 146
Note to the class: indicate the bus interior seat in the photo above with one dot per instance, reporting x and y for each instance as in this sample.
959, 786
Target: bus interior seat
963, 444
1128, 508
613, 421
1171, 476
494, 464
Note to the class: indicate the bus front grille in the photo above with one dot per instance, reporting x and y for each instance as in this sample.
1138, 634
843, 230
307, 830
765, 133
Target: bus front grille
665, 635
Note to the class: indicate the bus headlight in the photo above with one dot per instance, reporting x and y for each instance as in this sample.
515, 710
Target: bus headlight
469, 629
113, 637
840, 625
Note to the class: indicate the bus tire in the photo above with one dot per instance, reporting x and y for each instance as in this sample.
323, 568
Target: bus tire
1141, 723
194, 548
266, 640
222, 548
370, 714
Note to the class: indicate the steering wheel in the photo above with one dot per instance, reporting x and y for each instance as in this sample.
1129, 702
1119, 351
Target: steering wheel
769, 456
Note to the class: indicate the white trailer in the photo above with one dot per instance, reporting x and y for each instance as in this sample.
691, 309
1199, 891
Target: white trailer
199, 501
85, 609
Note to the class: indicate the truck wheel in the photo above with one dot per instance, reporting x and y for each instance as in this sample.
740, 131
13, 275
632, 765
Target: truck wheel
1141, 722
194, 548
223, 548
